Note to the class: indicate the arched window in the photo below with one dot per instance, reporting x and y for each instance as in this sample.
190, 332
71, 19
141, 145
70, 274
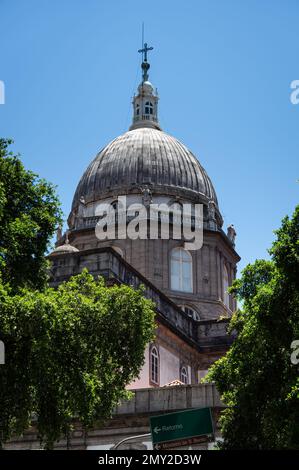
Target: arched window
191, 312
137, 109
149, 108
154, 365
181, 270
225, 286
184, 375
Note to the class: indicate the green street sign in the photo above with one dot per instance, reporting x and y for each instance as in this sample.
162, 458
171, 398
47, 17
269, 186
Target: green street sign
181, 425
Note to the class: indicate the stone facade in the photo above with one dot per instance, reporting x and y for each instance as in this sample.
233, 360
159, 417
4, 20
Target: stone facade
148, 166
151, 259
195, 344
131, 418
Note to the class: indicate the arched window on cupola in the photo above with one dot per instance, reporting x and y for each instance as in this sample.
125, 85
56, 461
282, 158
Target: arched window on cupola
148, 108
137, 109
181, 270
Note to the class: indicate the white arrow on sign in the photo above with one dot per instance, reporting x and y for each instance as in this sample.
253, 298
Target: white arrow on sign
157, 430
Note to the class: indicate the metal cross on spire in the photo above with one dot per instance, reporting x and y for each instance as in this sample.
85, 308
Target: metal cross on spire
145, 65
144, 51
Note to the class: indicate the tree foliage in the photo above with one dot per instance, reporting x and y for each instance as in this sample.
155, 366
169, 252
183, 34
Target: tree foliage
70, 353
256, 379
29, 214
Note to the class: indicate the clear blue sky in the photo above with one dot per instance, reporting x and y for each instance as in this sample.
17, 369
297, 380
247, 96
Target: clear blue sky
223, 70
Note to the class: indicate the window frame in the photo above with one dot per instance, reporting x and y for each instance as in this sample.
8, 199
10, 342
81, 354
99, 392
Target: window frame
148, 108
180, 262
154, 367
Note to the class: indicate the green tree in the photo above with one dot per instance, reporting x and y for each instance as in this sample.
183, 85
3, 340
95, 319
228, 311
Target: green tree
256, 378
70, 353
29, 214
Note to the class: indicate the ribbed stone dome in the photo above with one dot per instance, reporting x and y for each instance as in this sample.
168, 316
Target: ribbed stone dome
144, 156
63, 249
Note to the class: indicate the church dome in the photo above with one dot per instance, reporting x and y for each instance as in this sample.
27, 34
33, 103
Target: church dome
144, 156
63, 250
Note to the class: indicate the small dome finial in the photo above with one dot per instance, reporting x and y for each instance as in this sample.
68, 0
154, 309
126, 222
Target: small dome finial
145, 103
